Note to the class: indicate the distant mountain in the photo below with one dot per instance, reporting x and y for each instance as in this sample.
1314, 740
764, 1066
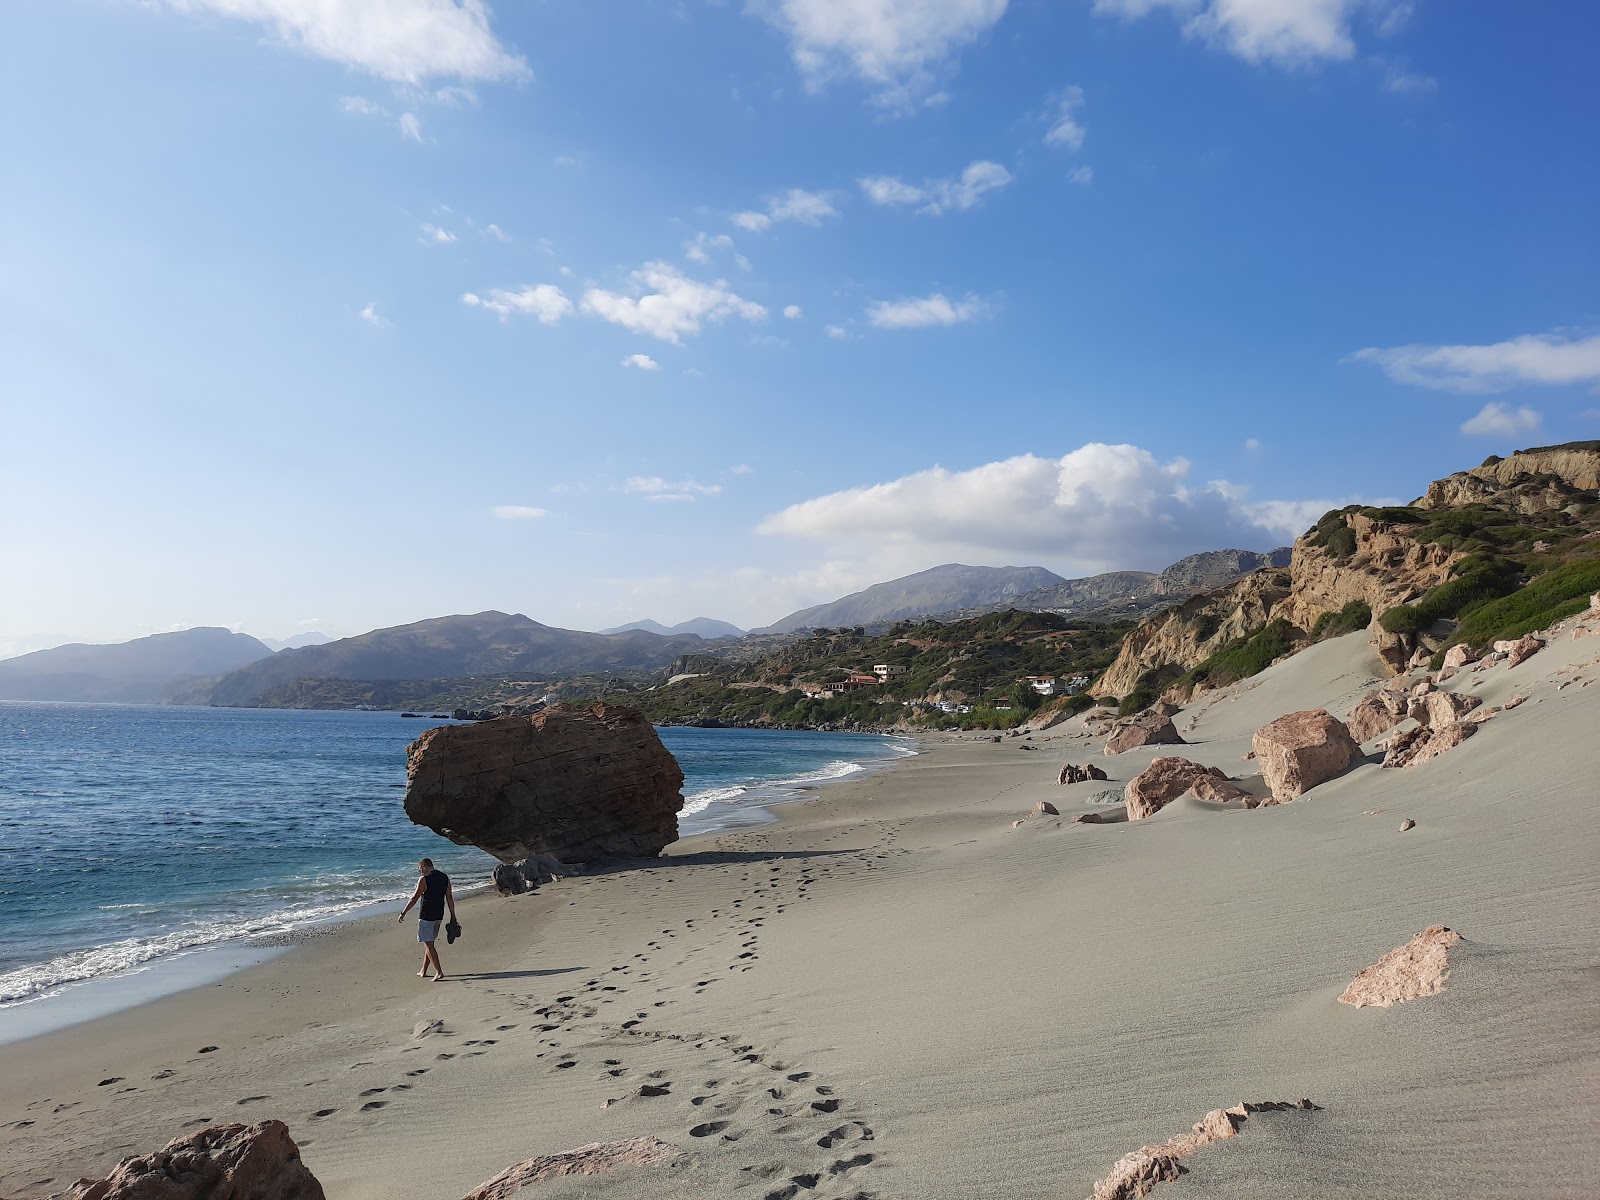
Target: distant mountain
938, 589
705, 627
146, 670
1212, 569
456, 647
295, 642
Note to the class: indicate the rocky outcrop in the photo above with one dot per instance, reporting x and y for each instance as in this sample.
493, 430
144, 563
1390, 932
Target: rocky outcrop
1044, 808
220, 1162
1151, 729
1162, 782
1543, 479
594, 1159
1519, 650
1379, 711
1298, 751
1076, 774
1437, 709
1218, 790
1136, 1174
1419, 968
1459, 656
1410, 747
580, 782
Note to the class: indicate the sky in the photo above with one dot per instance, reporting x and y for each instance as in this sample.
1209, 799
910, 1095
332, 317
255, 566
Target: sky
338, 314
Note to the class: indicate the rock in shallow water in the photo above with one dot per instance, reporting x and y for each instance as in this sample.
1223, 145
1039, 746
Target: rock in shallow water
583, 783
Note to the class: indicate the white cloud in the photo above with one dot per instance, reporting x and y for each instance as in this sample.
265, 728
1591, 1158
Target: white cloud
1284, 32
792, 312
896, 46
838, 332
1397, 78
642, 361
410, 127
1252, 445
519, 512
658, 490
433, 233
667, 304
494, 231
1066, 131
701, 247
369, 314
741, 469
1082, 176
1536, 358
405, 41
922, 312
1084, 510
362, 107
796, 204
938, 196
545, 301
1500, 420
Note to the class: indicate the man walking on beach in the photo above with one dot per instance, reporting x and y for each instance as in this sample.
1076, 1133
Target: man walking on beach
434, 890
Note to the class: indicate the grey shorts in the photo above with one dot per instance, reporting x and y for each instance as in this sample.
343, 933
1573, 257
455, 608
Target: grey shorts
428, 931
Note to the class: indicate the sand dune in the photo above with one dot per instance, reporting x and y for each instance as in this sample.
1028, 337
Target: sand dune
891, 992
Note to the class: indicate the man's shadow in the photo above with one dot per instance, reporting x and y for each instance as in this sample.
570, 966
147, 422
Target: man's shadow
512, 974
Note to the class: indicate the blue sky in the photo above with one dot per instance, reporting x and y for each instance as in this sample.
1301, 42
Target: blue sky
337, 314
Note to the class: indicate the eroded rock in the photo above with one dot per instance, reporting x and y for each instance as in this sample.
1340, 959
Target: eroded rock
593, 1159
1044, 808
1302, 749
580, 782
1136, 1173
1379, 711
220, 1162
1219, 790
1071, 773
1412, 746
1162, 782
1409, 972
1519, 650
1151, 729
1459, 656
1437, 709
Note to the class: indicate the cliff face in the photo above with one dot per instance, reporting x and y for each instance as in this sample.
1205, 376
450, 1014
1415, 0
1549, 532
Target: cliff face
1380, 557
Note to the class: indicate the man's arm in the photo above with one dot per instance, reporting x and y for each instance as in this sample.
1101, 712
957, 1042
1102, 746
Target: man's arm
450, 898
414, 897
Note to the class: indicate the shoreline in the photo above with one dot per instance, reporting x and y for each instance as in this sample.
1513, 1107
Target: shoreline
892, 990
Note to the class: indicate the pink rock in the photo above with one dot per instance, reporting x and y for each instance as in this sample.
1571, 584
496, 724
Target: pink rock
239, 1162
1408, 823
1410, 747
1459, 656
1136, 1173
1520, 650
1218, 791
1302, 749
1089, 818
1409, 972
1379, 711
1514, 702
1044, 808
1151, 729
593, 1159
1162, 782
1438, 709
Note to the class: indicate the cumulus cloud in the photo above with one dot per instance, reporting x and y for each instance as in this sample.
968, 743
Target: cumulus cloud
518, 512
1065, 130
1536, 358
792, 312
1501, 420
433, 233
667, 304
658, 490
1283, 32
898, 47
369, 314
641, 361
1082, 176
796, 204
405, 41
410, 127
1087, 510
923, 312
937, 196
545, 301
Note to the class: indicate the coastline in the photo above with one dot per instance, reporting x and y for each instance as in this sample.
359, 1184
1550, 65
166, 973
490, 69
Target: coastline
894, 991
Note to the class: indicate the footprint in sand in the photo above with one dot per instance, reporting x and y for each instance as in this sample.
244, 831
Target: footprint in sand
206, 1050
708, 1128
323, 1112
109, 1082
250, 1099
374, 1091
372, 1105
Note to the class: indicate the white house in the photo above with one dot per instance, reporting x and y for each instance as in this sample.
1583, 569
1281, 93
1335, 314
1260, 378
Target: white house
887, 671
1045, 685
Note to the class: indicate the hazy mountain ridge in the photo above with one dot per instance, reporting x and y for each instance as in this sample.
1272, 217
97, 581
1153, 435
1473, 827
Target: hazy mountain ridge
480, 644
145, 670
299, 640
706, 627
938, 589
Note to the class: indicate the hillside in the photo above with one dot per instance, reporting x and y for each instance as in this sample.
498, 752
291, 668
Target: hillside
146, 670
1488, 553
448, 648
706, 627
936, 590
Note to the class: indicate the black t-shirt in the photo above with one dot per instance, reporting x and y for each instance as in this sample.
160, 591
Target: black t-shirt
434, 884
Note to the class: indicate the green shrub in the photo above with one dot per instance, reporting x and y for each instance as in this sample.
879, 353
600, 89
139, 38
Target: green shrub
1549, 598
1403, 618
1397, 515
1245, 657
1107, 701
1353, 616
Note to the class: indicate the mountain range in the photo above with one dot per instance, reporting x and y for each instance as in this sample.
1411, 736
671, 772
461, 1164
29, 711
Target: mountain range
143, 671
706, 627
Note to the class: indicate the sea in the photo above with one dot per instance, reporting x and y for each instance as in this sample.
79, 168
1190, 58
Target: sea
135, 839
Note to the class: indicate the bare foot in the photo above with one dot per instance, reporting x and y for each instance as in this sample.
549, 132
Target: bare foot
423, 974
438, 978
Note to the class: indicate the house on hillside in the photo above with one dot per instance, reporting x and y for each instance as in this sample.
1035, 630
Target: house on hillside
1075, 685
1045, 685
887, 671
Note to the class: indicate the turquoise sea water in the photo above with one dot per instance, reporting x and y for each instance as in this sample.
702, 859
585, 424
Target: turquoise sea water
130, 834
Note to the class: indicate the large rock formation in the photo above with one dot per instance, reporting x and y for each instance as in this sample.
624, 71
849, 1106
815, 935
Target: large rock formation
1538, 480
1410, 747
1437, 709
1298, 751
594, 1159
220, 1162
1409, 972
1162, 782
578, 782
1151, 729
1379, 711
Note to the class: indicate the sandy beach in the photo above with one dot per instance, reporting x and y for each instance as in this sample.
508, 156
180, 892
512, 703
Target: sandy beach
892, 992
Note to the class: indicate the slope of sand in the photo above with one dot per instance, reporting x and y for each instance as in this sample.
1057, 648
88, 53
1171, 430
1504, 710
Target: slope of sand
893, 993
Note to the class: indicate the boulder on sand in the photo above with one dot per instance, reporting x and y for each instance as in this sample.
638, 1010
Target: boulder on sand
1301, 750
239, 1162
1162, 782
1220, 791
1379, 711
594, 1159
1519, 650
1438, 709
579, 782
1072, 773
1412, 746
1409, 972
1150, 729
